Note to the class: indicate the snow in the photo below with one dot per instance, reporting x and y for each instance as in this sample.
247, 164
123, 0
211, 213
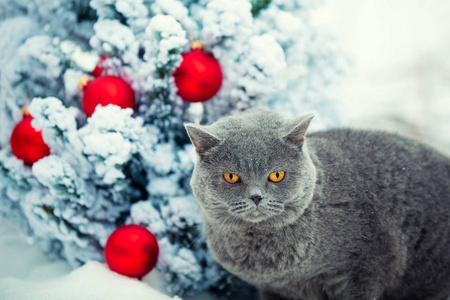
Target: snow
225, 18
112, 33
400, 52
267, 54
40, 48
93, 281
51, 169
131, 8
171, 7
165, 35
26, 274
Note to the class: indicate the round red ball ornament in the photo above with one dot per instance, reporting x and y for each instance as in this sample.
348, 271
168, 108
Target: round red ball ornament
131, 250
27, 143
199, 76
107, 90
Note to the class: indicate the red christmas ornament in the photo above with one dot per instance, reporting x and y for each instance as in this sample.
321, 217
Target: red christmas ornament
27, 143
107, 90
199, 76
131, 250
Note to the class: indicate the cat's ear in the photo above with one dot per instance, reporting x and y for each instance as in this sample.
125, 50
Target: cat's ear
201, 138
297, 129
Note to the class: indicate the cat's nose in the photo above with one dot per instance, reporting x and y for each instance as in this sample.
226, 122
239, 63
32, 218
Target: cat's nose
256, 199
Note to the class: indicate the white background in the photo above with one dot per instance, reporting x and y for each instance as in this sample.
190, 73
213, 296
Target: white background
401, 51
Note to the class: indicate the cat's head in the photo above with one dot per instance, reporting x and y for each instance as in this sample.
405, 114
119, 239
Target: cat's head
253, 167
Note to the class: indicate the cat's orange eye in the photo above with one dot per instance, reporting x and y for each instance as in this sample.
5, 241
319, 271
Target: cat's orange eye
276, 176
230, 178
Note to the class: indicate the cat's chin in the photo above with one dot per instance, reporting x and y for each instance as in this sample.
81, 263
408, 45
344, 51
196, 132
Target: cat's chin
288, 216
257, 216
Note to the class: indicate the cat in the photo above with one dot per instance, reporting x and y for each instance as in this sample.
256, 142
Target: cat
339, 214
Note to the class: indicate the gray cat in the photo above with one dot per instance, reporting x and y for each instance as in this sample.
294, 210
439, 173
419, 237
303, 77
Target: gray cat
341, 214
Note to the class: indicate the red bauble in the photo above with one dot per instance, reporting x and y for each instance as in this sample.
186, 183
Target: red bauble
198, 77
131, 250
27, 143
107, 90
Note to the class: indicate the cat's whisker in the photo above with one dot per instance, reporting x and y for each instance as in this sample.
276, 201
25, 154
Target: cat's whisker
274, 206
276, 202
237, 203
238, 207
243, 211
241, 208
272, 209
193, 243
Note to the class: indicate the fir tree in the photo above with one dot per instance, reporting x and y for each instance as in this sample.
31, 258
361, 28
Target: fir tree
120, 166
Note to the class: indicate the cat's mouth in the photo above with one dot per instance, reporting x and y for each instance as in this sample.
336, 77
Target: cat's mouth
256, 213
256, 216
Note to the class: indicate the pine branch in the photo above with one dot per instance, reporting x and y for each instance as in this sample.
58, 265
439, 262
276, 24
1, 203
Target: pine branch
258, 5
84, 11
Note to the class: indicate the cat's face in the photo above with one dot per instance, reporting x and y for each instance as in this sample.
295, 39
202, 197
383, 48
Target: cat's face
251, 174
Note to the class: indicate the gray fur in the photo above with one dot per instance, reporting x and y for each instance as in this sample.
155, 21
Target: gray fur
359, 215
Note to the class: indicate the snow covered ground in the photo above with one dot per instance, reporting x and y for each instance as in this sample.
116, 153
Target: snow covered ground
26, 274
401, 82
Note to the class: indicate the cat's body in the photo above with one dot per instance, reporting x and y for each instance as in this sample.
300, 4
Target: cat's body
359, 215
